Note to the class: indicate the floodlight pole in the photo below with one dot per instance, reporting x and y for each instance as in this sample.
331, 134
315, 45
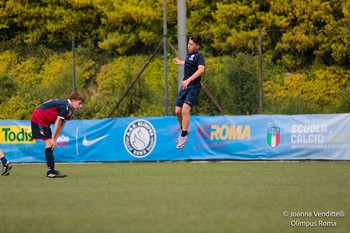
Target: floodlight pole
182, 36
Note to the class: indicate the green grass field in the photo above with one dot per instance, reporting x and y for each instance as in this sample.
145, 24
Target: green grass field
182, 197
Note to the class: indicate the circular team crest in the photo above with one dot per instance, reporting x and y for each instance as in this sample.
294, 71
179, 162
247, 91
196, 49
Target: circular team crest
140, 138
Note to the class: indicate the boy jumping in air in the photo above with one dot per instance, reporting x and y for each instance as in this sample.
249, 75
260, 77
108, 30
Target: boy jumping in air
190, 86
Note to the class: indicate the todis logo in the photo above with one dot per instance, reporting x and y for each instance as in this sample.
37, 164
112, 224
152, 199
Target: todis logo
140, 138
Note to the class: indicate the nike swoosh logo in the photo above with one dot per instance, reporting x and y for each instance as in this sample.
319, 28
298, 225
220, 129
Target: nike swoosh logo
91, 142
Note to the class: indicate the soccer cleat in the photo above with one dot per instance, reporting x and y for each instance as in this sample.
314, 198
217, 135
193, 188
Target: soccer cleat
6, 169
181, 142
188, 132
55, 174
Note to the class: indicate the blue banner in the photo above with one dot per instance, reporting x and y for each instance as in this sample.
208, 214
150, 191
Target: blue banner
256, 137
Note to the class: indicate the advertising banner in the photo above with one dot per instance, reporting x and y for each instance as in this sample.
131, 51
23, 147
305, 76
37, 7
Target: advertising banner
256, 137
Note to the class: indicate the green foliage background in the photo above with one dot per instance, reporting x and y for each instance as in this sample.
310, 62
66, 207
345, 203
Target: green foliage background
305, 47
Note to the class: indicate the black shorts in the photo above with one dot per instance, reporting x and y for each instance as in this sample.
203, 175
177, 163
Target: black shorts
188, 96
40, 131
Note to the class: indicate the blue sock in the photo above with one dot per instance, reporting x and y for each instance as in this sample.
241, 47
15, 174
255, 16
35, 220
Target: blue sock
4, 161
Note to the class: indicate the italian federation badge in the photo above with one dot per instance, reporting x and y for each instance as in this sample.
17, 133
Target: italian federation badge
273, 136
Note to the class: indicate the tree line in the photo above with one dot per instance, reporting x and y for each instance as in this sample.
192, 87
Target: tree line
310, 26
305, 46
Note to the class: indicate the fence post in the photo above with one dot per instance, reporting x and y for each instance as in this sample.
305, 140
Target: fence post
165, 52
73, 63
73, 71
261, 109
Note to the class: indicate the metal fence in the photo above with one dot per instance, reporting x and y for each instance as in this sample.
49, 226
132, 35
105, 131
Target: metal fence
237, 78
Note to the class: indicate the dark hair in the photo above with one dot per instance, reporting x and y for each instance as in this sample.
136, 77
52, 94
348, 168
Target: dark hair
77, 96
197, 39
